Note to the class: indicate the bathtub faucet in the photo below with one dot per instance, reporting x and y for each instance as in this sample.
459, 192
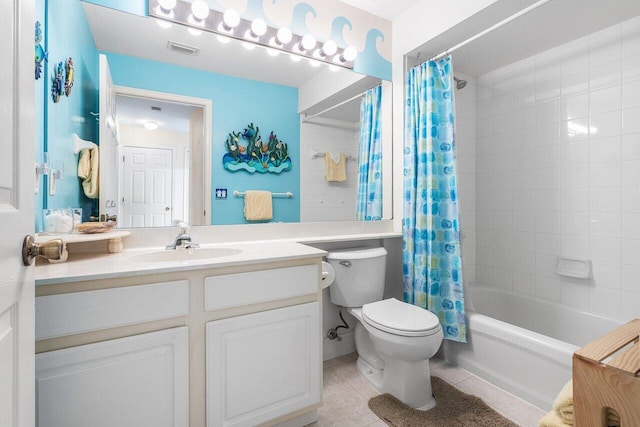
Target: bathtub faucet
183, 239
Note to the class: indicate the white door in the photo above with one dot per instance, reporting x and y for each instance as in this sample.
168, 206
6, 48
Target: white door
108, 141
16, 213
148, 183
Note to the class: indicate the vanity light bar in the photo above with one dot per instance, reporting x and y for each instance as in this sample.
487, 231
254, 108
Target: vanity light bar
261, 34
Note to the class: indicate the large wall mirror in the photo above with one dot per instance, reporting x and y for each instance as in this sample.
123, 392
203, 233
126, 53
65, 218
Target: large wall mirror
161, 101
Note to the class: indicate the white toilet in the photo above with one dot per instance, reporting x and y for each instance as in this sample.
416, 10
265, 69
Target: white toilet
394, 340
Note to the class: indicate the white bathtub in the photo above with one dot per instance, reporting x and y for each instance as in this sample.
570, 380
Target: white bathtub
523, 344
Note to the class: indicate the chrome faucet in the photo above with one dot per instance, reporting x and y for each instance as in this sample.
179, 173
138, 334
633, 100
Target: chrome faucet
183, 239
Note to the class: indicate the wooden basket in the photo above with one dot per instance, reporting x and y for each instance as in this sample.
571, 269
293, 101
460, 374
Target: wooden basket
614, 383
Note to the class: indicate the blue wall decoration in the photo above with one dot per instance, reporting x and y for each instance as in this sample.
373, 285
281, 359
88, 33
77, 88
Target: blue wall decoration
41, 55
256, 155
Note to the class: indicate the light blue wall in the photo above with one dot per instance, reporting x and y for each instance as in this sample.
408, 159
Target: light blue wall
236, 103
67, 34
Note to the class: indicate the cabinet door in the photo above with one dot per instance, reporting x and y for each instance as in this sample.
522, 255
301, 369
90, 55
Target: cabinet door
128, 382
263, 365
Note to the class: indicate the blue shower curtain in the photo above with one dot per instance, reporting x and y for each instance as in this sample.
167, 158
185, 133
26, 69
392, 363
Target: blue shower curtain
432, 266
369, 204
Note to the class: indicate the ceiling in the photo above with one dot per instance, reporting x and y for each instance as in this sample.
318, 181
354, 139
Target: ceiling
387, 9
548, 26
133, 111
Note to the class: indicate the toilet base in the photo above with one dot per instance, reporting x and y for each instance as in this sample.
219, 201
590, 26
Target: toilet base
369, 373
413, 390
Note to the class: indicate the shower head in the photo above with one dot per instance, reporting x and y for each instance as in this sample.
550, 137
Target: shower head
460, 84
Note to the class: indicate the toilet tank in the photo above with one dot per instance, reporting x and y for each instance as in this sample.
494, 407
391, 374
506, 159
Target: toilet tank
360, 274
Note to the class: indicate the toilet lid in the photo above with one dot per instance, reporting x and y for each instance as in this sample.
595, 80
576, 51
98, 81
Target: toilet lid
400, 318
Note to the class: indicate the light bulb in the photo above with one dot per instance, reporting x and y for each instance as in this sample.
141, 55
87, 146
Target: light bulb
295, 58
258, 27
273, 52
314, 63
350, 53
195, 31
329, 48
231, 18
200, 10
284, 35
151, 125
248, 46
333, 67
308, 42
167, 5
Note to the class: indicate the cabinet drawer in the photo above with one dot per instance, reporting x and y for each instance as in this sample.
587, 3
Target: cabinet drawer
232, 290
68, 314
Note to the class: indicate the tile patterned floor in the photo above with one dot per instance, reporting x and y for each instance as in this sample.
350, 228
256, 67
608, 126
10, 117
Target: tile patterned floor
346, 395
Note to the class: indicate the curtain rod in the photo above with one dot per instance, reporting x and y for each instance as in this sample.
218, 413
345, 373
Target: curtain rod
488, 30
311, 117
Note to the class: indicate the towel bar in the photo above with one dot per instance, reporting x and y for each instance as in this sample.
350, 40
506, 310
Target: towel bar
288, 194
317, 154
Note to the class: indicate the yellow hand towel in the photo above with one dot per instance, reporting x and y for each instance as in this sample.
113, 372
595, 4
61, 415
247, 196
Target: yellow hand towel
335, 171
552, 420
563, 408
563, 405
88, 171
257, 205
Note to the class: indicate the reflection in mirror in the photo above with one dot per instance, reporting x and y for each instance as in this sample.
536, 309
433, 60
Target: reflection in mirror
293, 100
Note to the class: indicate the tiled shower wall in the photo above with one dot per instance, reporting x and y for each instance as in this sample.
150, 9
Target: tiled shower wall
465, 136
321, 200
558, 172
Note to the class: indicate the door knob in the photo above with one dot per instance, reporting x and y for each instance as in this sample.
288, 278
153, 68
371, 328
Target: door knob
167, 208
51, 250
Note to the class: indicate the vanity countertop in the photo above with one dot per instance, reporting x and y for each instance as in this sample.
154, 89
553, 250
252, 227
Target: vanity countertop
93, 266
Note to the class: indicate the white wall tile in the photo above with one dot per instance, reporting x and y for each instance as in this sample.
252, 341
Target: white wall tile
604, 150
604, 174
604, 301
630, 146
630, 197
574, 83
574, 294
604, 249
629, 306
604, 199
631, 120
604, 224
630, 67
630, 225
631, 94
606, 275
564, 176
548, 288
604, 100
630, 278
630, 251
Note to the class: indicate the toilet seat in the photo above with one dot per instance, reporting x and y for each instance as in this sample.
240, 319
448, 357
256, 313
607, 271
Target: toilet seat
399, 318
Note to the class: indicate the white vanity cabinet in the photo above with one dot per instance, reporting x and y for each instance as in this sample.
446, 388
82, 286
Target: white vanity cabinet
221, 344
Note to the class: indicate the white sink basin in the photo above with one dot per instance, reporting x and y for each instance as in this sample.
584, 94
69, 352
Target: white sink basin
183, 255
